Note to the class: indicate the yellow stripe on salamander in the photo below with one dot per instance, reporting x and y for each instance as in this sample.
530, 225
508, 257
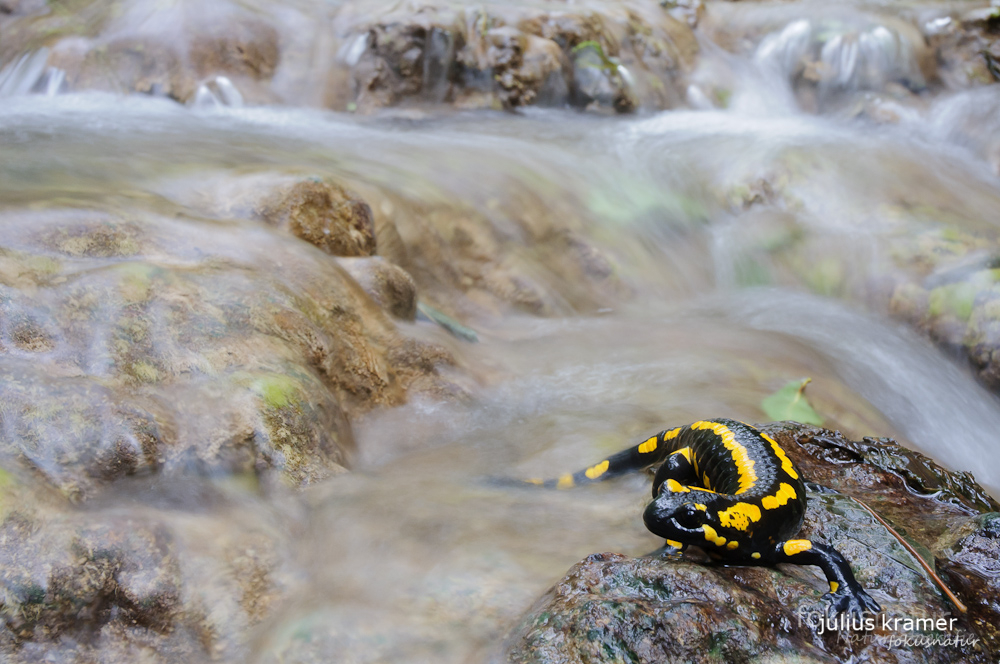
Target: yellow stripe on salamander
676, 487
786, 463
744, 464
565, 481
648, 446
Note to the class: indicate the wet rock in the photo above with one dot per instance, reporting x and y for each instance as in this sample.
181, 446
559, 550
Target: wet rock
611, 607
689, 11
972, 564
124, 65
244, 47
118, 585
953, 296
323, 214
600, 81
503, 56
173, 62
388, 285
967, 45
522, 251
117, 361
538, 259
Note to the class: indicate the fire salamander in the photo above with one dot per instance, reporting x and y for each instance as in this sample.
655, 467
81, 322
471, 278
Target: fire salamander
731, 490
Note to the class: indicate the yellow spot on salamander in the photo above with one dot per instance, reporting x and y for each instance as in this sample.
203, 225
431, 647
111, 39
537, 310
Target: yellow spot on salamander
792, 547
675, 544
755, 555
732, 546
705, 482
833, 586
739, 516
784, 494
565, 481
677, 487
597, 470
686, 453
648, 446
535, 480
744, 464
712, 536
670, 435
786, 463
701, 507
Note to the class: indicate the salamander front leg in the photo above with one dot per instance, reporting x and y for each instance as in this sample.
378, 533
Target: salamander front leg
675, 472
670, 549
846, 594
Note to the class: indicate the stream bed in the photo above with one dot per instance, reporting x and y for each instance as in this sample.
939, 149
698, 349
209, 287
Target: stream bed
174, 389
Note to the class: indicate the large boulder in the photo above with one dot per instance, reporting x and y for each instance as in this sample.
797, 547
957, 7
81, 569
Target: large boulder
163, 344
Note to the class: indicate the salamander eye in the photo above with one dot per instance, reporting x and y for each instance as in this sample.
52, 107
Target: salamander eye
689, 516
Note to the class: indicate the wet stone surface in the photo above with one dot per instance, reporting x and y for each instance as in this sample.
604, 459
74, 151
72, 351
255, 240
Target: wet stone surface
167, 584
511, 56
122, 357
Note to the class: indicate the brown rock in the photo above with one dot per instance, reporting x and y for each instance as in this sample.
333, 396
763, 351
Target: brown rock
503, 56
244, 47
388, 285
323, 214
125, 65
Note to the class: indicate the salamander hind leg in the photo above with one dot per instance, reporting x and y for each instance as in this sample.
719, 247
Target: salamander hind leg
846, 594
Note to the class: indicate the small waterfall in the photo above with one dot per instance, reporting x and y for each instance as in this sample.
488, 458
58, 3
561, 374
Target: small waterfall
216, 93
839, 55
30, 74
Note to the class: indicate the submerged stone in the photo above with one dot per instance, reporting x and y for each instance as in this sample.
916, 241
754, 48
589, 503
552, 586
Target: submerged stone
182, 581
163, 345
388, 285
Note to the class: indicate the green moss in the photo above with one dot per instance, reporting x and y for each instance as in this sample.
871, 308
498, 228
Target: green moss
750, 272
954, 299
595, 48
145, 372
826, 276
277, 390
7, 485
136, 280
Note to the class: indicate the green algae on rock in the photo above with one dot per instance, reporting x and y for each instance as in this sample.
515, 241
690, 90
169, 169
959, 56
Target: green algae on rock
617, 608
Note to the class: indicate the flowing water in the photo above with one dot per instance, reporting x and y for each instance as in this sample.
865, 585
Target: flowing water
416, 556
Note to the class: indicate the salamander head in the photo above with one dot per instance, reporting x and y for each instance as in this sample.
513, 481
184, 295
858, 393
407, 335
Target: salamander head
677, 516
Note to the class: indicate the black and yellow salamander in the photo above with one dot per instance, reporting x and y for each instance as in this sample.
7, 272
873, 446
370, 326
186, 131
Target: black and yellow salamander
732, 491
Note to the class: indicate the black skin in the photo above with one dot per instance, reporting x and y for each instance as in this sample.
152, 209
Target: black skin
680, 522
